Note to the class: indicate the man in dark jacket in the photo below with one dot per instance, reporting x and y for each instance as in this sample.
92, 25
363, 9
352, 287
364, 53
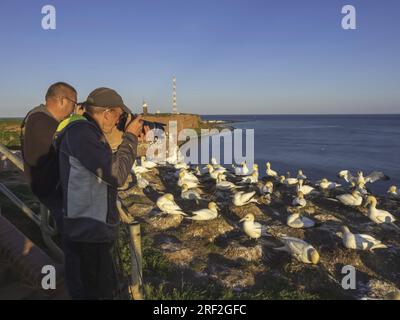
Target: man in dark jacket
40, 158
90, 175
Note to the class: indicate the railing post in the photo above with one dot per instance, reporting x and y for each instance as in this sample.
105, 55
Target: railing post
136, 258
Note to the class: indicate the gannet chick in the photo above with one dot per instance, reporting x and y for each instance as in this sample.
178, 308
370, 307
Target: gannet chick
354, 199
253, 229
360, 241
304, 188
242, 198
190, 194
166, 204
270, 172
299, 201
328, 185
299, 249
206, 214
379, 216
295, 220
301, 175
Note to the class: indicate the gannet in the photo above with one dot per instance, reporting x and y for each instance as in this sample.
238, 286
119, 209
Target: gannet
214, 172
200, 171
347, 176
253, 178
253, 229
301, 175
360, 241
142, 182
304, 188
148, 164
166, 204
267, 188
354, 199
222, 184
270, 172
288, 180
216, 165
181, 165
206, 214
295, 220
243, 170
371, 178
190, 194
393, 192
299, 201
138, 169
242, 198
186, 175
327, 185
299, 249
379, 216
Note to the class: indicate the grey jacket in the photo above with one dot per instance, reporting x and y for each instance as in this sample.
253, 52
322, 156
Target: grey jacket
90, 175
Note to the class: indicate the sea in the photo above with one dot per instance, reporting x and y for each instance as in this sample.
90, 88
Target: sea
322, 145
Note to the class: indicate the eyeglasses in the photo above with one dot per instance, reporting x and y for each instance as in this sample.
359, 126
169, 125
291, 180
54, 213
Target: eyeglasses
73, 101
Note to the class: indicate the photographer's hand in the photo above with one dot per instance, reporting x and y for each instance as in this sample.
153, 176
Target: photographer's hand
135, 127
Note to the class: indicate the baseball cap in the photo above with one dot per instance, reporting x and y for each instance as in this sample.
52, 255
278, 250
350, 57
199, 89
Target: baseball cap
106, 98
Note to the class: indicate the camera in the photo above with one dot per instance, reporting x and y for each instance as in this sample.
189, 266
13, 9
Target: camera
151, 125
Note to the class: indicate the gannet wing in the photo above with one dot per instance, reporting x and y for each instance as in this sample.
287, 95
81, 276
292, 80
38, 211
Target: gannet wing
375, 176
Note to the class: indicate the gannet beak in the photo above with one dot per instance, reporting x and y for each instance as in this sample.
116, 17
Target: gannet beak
243, 219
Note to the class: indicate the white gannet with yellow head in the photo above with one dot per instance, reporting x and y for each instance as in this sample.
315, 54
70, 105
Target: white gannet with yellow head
269, 171
379, 216
304, 188
266, 188
360, 241
299, 249
190, 194
353, 199
325, 184
297, 221
393, 192
253, 229
299, 201
242, 198
166, 203
209, 213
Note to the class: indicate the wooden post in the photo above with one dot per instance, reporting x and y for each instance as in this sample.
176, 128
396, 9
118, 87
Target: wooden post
136, 258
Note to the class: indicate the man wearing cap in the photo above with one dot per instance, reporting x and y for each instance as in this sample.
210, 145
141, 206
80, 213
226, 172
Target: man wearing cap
90, 175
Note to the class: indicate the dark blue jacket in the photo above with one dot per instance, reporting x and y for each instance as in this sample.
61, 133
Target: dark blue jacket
90, 175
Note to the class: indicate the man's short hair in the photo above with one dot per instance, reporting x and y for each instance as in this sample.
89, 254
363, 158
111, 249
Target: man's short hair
59, 89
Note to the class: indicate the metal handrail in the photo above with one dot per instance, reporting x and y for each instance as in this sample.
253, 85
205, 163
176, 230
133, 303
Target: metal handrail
41, 221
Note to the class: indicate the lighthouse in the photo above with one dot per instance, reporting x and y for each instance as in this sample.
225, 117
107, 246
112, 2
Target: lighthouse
145, 108
174, 108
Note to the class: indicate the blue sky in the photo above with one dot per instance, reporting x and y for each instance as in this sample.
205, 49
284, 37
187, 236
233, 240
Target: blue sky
229, 56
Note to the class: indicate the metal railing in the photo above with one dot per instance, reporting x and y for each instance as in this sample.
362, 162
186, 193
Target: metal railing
42, 220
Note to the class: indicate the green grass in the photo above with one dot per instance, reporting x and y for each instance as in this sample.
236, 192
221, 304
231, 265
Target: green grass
10, 132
